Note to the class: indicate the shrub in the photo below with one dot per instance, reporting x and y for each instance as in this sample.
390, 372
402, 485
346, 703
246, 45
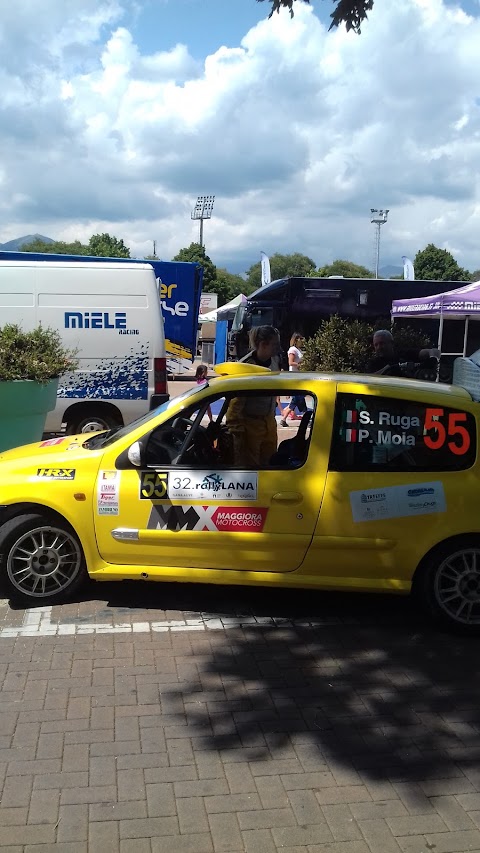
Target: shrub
345, 346
37, 355
339, 346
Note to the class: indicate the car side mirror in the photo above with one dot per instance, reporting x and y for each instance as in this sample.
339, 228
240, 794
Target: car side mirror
136, 454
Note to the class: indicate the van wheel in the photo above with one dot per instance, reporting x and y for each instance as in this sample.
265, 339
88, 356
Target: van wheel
40, 560
449, 585
91, 420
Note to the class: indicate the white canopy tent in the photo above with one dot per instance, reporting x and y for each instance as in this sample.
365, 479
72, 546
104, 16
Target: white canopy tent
221, 313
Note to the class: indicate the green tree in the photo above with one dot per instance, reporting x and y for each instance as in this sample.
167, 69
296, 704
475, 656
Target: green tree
281, 266
346, 268
475, 276
56, 248
100, 245
106, 246
352, 13
434, 264
196, 253
228, 285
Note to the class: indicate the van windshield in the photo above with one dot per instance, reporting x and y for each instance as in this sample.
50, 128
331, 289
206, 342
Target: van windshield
104, 439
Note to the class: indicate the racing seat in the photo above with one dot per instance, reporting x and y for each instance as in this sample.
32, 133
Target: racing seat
293, 451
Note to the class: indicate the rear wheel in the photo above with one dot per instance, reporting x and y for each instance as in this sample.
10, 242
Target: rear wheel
91, 420
40, 560
449, 585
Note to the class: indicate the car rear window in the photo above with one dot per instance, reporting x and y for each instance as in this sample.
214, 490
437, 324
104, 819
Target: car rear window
387, 434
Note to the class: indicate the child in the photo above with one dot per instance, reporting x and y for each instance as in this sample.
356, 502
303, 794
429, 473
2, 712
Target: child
201, 377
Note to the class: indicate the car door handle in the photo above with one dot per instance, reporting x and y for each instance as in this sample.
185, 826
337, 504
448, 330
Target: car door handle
288, 497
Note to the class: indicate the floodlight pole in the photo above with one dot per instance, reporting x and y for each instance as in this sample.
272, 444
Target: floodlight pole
378, 218
203, 210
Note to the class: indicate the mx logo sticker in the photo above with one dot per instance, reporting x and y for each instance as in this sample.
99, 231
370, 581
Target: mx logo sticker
168, 517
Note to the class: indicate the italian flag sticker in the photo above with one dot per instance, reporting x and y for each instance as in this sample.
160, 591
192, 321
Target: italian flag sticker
351, 417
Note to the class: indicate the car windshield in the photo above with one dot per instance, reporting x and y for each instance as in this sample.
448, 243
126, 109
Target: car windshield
104, 439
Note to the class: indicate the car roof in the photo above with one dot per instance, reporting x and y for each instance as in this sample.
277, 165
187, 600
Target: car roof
258, 379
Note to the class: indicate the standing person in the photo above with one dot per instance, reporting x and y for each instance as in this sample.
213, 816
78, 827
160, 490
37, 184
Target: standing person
295, 355
201, 377
251, 419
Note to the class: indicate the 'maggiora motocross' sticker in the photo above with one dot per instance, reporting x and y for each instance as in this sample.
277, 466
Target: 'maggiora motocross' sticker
108, 492
220, 518
398, 501
199, 485
56, 473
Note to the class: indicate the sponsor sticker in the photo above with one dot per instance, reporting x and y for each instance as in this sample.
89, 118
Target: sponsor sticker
56, 473
397, 501
165, 516
51, 442
213, 486
108, 493
238, 518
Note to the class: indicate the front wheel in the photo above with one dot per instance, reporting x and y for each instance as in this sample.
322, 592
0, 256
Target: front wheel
40, 560
449, 585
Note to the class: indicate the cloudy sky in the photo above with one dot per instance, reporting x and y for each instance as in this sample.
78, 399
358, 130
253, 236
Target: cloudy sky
116, 114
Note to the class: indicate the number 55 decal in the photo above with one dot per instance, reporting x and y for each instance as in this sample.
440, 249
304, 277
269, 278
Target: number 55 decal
455, 430
153, 485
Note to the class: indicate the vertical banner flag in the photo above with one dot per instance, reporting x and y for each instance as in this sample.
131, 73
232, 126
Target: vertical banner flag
408, 271
265, 269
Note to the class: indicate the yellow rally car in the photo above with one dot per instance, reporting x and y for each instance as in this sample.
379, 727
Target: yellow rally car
377, 490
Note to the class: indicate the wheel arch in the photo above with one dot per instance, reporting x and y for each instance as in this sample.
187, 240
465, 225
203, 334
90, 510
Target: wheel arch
12, 511
440, 546
76, 410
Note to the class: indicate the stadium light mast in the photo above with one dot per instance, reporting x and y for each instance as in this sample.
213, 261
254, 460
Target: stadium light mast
203, 210
378, 218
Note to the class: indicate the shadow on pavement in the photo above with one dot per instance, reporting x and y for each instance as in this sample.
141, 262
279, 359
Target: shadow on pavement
371, 688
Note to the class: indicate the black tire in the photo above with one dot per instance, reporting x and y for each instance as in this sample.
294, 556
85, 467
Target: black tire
91, 419
448, 585
41, 559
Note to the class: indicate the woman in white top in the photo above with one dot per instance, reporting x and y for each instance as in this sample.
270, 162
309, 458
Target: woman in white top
295, 355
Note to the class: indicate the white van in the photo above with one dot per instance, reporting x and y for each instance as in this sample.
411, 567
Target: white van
111, 314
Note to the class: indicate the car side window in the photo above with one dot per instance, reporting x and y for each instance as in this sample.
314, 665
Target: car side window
388, 434
206, 435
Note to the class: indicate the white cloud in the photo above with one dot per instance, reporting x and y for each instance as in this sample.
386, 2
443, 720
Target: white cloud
297, 131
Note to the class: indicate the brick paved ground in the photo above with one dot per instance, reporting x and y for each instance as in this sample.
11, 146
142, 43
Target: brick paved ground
172, 718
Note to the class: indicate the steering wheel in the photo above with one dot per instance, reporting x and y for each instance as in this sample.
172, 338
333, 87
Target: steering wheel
162, 450
182, 423
201, 448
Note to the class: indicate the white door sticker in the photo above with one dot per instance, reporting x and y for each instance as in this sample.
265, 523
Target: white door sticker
398, 501
213, 486
108, 492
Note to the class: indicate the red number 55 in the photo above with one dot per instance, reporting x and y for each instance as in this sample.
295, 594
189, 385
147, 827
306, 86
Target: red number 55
454, 429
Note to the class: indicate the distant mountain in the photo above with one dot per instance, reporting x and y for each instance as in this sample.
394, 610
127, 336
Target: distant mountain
16, 245
390, 271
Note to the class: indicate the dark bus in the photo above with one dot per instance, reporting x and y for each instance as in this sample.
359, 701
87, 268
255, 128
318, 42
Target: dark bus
300, 304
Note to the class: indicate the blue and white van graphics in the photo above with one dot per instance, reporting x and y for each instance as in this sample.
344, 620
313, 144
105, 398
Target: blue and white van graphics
111, 315
179, 286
